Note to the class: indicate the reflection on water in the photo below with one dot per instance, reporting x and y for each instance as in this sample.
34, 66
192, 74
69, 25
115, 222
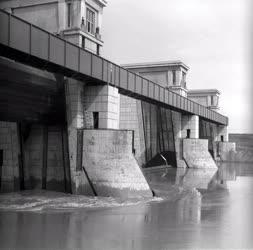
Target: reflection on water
199, 209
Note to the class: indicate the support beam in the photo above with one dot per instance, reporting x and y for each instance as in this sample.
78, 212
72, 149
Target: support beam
66, 164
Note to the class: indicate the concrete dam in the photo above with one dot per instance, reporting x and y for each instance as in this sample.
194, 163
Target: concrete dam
72, 121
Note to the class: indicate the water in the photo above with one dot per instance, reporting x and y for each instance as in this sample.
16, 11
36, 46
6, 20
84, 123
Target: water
196, 210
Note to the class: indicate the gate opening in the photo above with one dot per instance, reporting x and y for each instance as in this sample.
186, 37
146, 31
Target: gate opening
188, 131
95, 120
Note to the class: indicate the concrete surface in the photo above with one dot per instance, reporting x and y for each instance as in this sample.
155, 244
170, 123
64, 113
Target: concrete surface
111, 166
196, 154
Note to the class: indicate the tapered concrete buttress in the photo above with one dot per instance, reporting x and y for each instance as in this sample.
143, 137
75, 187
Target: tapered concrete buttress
196, 154
110, 165
101, 160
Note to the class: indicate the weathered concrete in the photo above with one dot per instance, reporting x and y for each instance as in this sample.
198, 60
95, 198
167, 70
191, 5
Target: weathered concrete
9, 145
191, 123
222, 132
131, 118
32, 158
111, 166
177, 129
75, 120
105, 101
33, 155
54, 16
227, 152
196, 154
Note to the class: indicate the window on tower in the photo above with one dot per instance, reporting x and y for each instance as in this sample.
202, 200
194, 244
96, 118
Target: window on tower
183, 80
174, 77
90, 21
69, 14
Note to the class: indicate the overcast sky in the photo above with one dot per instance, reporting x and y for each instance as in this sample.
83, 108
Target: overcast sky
212, 37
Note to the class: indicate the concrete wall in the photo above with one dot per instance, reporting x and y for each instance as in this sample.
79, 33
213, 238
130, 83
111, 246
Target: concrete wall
111, 166
45, 10
43, 14
196, 154
33, 169
177, 128
226, 150
202, 100
204, 97
160, 77
81, 102
75, 120
190, 122
131, 119
9, 144
106, 101
33, 158
222, 131
153, 131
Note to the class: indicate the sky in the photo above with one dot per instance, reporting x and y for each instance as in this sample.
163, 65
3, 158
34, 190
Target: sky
212, 37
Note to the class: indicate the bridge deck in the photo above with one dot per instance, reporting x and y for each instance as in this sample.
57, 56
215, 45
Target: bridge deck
29, 44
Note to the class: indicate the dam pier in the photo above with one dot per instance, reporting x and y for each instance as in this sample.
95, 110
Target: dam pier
72, 121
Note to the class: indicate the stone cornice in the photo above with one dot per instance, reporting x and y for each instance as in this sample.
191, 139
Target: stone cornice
103, 3
155, 64
203, 91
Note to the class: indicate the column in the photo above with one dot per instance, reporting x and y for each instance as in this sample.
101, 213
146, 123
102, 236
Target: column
190, 126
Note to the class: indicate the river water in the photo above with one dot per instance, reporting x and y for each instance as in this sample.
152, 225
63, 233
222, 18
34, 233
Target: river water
194, 209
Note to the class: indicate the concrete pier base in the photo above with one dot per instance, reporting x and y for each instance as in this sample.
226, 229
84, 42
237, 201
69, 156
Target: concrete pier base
110, 165
226, 151
196, 154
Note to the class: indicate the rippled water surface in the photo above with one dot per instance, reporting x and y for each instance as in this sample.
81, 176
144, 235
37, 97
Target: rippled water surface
195, 209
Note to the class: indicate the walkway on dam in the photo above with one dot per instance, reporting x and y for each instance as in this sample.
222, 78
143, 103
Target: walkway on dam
29, 44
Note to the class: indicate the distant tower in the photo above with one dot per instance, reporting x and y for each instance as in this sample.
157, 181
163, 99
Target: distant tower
78, 21
168, 74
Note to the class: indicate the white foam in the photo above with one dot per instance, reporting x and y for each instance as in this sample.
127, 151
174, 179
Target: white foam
44, 200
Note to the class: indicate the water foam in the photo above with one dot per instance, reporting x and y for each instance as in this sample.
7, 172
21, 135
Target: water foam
47, 200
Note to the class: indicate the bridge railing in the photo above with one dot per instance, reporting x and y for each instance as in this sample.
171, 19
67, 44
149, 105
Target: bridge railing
25, 42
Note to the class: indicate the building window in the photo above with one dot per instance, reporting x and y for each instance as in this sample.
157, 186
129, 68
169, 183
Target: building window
188, 133
174, 77
90, 21
83, 42
183, 80
69, 14
212, 100
95, 120
98, 49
